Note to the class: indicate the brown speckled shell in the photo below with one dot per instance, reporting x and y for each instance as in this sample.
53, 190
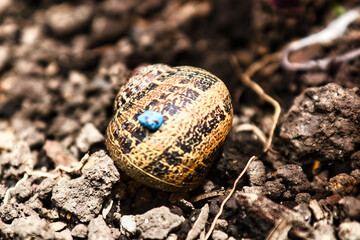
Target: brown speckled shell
197, 109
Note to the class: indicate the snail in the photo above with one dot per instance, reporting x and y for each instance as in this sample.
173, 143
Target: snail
169, 125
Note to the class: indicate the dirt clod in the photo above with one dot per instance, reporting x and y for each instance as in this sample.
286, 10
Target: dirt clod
84, 196
99, 230
157, 223
323, 124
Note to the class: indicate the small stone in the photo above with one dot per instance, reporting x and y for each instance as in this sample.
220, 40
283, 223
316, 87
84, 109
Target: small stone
274, 189
349, 231
256, 173
356, 174
295, 177
58, 154
324, 230
172, 236
350, 206
84, 196
99, 230
23, 190
157, 223
34, 203
128, 223
63, 126
221, 224
32, 136
302, 198
65, 19
45, 187
88, 136
304, 210
7, 140
322, 122
219, 235
258, 190
115, 232
199, 224
343, 184
64, 235
80, 231
31, 227
8, 213
57, 226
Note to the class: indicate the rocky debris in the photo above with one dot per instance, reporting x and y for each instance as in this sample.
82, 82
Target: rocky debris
256, 173
349, 231
294, 177
219, 235
58, 154
99, 230
7, 139
274, 189
30, 227
350, 208
66, 19
128, 224
260, 215
322, 124
343, 184
199, 224
157, 223
14, 163
88, 136
32, 136
83, 196
23, 190
80, 231
44, 189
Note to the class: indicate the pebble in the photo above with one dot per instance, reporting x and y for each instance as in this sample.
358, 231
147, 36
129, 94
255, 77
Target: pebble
219, 235
65, 19
350, 206
7, 140
80, 231
23, 190
99, 230
157, 223
32, 136
274, 189
89, 135
256, 173
349, 231
45, 187
128, 223
221, 224
199, 225
84, 196
343, 184
57, 226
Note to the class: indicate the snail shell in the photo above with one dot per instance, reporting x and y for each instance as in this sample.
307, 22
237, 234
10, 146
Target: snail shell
197, 111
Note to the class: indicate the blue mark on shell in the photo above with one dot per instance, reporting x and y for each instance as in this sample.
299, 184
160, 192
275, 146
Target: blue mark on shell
151, 120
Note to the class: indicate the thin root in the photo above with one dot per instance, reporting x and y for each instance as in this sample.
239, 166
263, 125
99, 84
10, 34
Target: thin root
227, 198
256, 88
333, 31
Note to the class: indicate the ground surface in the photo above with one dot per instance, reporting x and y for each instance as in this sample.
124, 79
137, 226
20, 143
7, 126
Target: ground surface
62, 63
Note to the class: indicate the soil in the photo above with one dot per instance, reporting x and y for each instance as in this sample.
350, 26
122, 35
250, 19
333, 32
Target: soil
62, 63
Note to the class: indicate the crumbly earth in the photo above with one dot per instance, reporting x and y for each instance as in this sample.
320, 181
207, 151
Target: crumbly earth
62, 64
